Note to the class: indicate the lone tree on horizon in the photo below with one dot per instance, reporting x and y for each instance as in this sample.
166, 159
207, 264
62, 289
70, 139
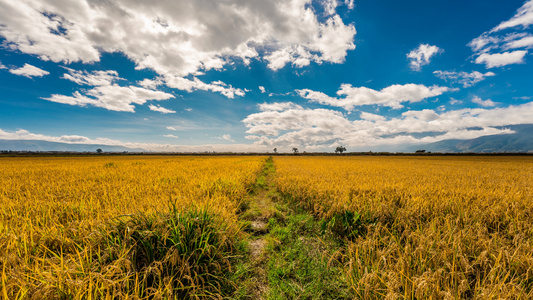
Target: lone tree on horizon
276, 150
295, 150
340, 149
99, 151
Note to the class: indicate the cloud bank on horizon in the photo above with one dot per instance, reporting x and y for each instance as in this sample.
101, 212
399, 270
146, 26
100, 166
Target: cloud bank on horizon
253, 75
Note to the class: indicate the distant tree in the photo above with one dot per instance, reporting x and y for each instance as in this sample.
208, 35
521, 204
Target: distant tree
99, 151
295, 150
276, 150
420, 151
340, 149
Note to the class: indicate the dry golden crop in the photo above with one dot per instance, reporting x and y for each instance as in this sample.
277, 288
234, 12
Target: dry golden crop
423, 227
118, 227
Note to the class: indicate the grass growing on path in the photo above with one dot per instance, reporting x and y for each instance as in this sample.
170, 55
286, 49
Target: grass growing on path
290, 257
302, 261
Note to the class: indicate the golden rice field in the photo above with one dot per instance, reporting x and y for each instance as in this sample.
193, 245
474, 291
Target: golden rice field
423, 227
115, 227
167, 227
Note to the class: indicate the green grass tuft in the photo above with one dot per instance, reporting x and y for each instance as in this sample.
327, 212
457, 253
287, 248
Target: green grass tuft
183, 255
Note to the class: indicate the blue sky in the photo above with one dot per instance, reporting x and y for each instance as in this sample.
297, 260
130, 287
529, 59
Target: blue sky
254, 75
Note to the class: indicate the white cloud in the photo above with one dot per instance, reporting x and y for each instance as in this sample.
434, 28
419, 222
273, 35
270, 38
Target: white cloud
319, 128
464, 78
161, 109
329, 43
262, 89
421, 56
522, 98
455, 101
278, 106
484, 103
22, 134
76, 139
330, 6
95, 78
349, 3
501, 59
523, 17
188, 109
196, 84
177, 38
525, 42
484, 43
490, 46
391, 96
151, 83
371, 117
2, 66
29, 71
226, 137
106, 93
171, 136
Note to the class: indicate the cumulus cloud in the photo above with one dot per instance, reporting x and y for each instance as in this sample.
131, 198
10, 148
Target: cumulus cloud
501, 59
330, 6
464, 78
491, 46
319, 128
178, 38
105, 92
29, 71
161, 109
421, 56
391, 96
484, 103
150, 83
330, 43
262, 89
2, 66
371, 117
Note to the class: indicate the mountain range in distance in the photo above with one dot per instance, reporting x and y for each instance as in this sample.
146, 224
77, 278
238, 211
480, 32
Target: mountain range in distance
521, 141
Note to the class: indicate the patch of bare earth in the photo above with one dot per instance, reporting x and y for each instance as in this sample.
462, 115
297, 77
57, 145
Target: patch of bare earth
262, 206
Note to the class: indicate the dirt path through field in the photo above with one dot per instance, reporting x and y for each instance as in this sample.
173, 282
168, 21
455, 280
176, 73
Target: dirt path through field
260, 211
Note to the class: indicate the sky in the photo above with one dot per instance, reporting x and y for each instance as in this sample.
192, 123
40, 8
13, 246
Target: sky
254, 75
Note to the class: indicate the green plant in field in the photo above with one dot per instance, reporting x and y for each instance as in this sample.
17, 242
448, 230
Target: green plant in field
345, 224
185, 253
